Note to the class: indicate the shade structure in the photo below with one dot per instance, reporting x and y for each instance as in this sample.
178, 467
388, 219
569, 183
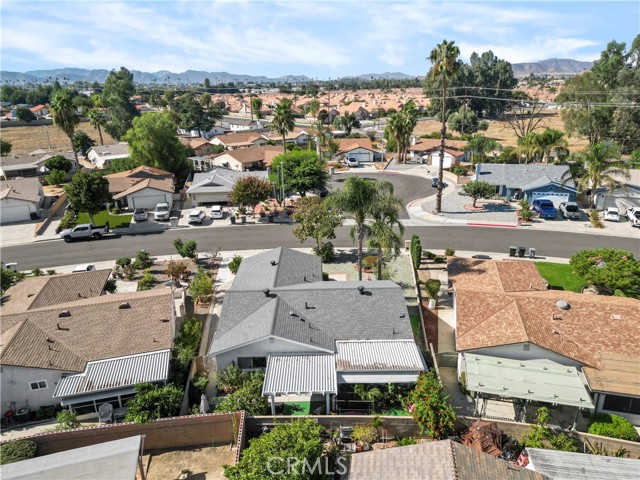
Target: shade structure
300, 374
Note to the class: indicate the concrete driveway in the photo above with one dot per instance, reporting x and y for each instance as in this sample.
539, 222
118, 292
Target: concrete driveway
17, 233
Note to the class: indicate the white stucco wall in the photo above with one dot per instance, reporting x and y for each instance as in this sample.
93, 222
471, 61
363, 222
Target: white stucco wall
13, 210
227, 161
261, 348
15, 386
360, 154
149, 198
517, 352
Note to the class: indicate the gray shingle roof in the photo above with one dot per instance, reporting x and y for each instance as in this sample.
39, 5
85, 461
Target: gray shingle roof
219, 180
521, 176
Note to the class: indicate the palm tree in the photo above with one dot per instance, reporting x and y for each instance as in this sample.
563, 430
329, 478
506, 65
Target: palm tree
444, 58
551, 140
602, 164
283, 121
367, 394
97, 119
65, 116
382, 236
394, 130
314, 106
358, 198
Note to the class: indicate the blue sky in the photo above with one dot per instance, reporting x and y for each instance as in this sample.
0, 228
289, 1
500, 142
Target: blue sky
324, 39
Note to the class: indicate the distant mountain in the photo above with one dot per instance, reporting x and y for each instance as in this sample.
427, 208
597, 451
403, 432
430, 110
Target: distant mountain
551, 66
383, 76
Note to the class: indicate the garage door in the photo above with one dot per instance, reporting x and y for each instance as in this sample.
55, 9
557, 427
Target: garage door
209, 198
556, 198
17, 213
147, 201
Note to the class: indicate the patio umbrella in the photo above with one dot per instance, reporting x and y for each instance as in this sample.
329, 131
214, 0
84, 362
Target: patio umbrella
204, 404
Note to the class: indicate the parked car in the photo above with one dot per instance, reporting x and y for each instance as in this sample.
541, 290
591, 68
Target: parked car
216, 212
85, 230
196, 216
611, 214
545, 208
162, 211
570, 210
139, 215
319, 192
84, 268
633, 214
352, 162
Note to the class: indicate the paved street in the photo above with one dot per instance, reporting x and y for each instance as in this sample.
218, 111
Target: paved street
478, 239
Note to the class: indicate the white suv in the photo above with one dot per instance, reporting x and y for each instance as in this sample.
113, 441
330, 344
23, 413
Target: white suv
162, 212
352, 162
633, 214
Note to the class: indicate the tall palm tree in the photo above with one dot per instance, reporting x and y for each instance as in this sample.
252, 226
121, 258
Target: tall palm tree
444, 58
65, 116
97, 119
602, 165
357, 199
314, 107
283, 121
551, 140
394, 130
382, 236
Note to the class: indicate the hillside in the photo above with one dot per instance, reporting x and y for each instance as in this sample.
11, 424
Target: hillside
551, 66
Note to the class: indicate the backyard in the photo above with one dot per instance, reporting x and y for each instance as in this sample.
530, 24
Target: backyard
102, 217
561, 276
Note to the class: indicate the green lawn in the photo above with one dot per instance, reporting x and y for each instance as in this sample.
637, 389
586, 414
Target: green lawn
100, 218
560, 276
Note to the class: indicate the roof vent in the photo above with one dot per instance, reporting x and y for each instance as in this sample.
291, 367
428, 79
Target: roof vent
562, 304
616, 317
266, 292
124, 305
61, 328
361, 290
273, 263
64, 313
50, 340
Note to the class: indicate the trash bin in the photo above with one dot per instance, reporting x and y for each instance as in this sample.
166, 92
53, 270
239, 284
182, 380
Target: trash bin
173, 221
270, 217
532, 252
521, 251
332, 170
22, 415
512, 251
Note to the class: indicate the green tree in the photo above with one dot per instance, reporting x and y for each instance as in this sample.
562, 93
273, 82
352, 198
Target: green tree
116, 94
602, 168
609, 270
444, 58
231, 378
283, 121
58, 162
256, 108
303, 171
234, 264
365, 394
480, 146
382, 234
494, 80
56, 177
122, 165
88, 192
268, 454
634, 159
248, 397
82, 142
65, 116
477, 189
542, 436
98, 120
25, 115
400, 127
193, 115
538, 146
316, 219
357, 199
5, 147
7, 278
250, 191
186, 249
152, 402
201, 286
348, 121
466, 120
429, 406
153, 141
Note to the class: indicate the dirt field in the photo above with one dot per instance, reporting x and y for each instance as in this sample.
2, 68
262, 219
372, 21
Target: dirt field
205, 463
503, 133
27, 139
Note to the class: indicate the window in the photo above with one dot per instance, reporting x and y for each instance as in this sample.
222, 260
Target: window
252, 362
38, 385
618, 403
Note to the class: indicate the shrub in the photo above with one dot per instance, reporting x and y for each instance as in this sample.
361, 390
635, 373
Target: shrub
594, 218
47, 411
364, 433
369, 263
51, 271
111, 286
234, 264
613, 426
123, 261
200, 382
17, 451
186, 249
146, 281
230, 378
325, 252
201, 286
67, 221
433, 288
428, 255
177, 270
143, 260
438, 259
67, 420
129, 272
429, 406
248, 397
449, 252
152, 402
325, 276
37, 272
403, 442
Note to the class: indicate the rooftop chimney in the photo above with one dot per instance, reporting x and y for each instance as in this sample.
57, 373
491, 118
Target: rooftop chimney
266, 292
64, 313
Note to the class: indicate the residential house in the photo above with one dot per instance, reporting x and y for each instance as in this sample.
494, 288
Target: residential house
40, 111
63, 342
298, 137
245, 159
142, 187
358, 148
624, 197
443, 460
231, 141
102, 155
20, 199
313, 336
518, 340
236, 124
427, 150
216, 185
529, 181
200, 146
31, 165
357, 108
201, 164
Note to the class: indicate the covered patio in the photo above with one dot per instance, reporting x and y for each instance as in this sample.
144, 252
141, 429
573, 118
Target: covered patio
526, 381
300, 374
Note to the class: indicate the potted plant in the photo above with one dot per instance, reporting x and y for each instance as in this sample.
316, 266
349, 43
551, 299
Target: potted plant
363, 435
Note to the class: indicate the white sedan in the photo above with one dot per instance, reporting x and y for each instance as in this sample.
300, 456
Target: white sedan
196, 216
611, 214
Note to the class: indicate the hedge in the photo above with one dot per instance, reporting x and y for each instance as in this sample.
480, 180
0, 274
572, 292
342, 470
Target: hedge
17, 451
613, 426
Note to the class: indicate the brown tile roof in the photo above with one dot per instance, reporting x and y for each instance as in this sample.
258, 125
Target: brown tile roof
194, 142
239, 137
348, 144
162, 184
443, 460
26, 189
617, 374
425, 144
255, 154
95, 329
45, 291
124, 181
493, 277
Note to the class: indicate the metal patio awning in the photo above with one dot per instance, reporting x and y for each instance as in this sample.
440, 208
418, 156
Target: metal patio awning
299, 374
